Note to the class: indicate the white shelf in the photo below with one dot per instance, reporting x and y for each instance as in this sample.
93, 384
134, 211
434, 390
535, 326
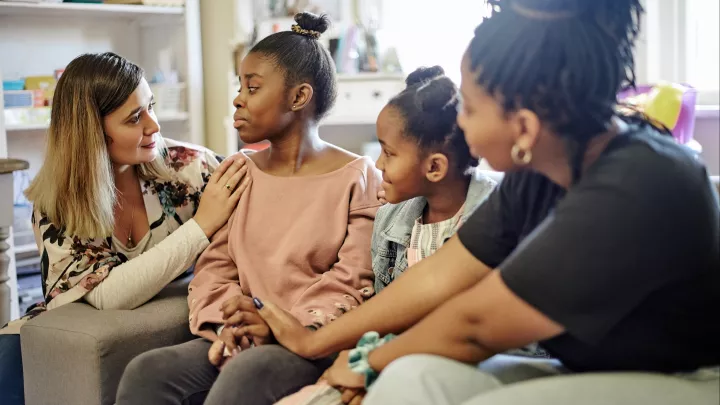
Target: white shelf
162, 117
370, 76
28, 127
29, 248
87, 10
707, 111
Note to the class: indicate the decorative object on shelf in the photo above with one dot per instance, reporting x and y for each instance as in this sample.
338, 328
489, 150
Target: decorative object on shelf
19, 99
13, 85
7, 167
670, 104
163, 3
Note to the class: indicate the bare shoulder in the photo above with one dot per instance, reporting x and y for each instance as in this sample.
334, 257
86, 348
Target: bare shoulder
337, 157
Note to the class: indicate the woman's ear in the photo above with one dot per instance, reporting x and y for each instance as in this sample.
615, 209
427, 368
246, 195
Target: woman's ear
300, 96
436, 167
527, 127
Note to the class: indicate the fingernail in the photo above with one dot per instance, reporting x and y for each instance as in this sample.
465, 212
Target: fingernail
258, 303
236, 351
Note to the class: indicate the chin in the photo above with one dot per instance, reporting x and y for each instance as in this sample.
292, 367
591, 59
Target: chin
250, 138
148, 156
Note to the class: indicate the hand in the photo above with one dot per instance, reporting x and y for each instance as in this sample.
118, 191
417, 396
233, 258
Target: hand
287, 330
241, 311
222, 194
225, 344
381, 197
353, 396
339, 375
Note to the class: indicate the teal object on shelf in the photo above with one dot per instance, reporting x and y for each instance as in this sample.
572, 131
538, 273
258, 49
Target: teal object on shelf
13, 84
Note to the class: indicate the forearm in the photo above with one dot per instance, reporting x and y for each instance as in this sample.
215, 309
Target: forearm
406, 301
133, 283
449, 331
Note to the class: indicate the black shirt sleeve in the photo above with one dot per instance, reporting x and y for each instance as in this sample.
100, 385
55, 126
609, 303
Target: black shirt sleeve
489, 233
520, 202
632, 226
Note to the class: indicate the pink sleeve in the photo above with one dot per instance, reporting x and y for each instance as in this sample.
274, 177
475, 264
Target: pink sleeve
349, 282
216, 280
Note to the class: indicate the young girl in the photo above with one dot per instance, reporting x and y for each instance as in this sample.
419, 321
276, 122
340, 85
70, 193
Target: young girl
429, 180
119, 212
601, 242
300, 234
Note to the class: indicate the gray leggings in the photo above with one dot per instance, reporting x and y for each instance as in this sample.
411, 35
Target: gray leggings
512, 380
182, 375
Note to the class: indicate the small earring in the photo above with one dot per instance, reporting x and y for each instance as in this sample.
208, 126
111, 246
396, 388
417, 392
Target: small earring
294, 107
519, 156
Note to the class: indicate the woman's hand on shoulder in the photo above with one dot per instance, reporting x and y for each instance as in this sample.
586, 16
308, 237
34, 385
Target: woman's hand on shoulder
222, 193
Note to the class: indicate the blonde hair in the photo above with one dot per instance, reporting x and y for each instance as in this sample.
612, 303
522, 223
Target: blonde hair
75, 187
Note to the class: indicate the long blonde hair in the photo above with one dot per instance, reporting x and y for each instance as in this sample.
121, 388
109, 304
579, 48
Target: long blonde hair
75, 187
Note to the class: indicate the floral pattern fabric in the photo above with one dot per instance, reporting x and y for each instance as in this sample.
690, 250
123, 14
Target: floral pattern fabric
72, 266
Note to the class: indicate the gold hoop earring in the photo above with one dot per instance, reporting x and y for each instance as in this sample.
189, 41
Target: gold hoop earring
519, 156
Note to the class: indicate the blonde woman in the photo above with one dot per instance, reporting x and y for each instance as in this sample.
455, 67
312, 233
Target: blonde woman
118, 212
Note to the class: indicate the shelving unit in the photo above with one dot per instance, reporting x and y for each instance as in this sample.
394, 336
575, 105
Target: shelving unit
86, 10
37, 38
165, 117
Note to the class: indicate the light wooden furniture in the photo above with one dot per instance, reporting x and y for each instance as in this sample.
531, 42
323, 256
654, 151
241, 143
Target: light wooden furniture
7, 167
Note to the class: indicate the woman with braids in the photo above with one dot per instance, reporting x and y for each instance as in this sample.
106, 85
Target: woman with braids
601, 243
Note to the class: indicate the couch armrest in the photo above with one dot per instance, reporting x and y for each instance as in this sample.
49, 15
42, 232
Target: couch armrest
76, 354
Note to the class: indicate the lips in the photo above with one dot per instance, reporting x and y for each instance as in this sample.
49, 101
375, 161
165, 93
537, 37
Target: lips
148, 146
238, 121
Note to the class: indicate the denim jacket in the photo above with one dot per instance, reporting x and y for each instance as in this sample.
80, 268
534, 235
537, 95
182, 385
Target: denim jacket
394, 223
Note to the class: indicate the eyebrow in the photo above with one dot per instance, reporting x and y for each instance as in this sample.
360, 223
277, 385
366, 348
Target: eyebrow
137, 110
251, 75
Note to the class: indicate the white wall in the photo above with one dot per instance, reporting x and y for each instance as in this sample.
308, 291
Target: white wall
707, 132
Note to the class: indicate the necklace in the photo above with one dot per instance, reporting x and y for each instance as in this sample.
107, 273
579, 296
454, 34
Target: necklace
129, 243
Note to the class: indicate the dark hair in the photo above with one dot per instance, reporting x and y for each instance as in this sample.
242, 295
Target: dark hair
429, 107
566, 60
304, 59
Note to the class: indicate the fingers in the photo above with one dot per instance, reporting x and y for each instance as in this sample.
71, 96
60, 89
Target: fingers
235, 196
242, 317
235, 179
358, 399
245, 343
261, 331
348, 394
215, 354
220, 170
231, 170
240, 303
229, 339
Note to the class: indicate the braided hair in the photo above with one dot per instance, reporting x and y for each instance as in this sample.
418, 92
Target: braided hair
429, 106
565, 60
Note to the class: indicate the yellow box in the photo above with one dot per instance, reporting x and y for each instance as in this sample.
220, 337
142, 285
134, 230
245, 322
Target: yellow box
44, 83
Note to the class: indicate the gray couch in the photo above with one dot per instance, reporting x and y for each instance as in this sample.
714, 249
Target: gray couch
75, 354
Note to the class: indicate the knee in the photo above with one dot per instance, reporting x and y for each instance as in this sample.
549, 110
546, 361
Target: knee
408, 371
147, 370
256, 364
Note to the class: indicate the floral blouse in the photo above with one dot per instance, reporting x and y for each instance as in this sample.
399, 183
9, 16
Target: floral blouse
71, 266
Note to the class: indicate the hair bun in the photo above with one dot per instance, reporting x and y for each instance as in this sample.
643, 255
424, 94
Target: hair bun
311, 25
423, 74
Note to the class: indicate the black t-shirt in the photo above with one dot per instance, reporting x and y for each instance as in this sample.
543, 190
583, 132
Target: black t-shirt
627, 260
